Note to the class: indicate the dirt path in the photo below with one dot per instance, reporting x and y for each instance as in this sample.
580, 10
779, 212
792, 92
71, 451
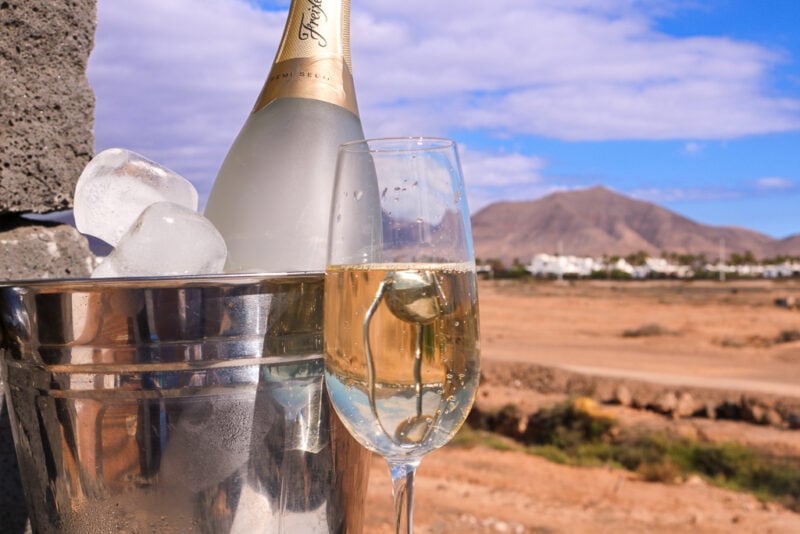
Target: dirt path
713, 336
482, 490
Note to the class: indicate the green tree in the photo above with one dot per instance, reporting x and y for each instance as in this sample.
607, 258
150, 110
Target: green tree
638, 258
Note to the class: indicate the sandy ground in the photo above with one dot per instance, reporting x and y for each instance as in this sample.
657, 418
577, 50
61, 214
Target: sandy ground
718, 335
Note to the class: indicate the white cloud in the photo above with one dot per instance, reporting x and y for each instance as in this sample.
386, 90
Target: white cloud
574, 70
678, 194
498, 175
693, 148
177, 83
747, 189
773, 183
501, 169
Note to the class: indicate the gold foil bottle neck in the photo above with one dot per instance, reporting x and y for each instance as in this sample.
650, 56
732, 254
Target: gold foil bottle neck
313, 60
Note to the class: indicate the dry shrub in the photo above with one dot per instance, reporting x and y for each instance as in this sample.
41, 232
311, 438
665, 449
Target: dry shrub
788, 336
648, 330
665, 472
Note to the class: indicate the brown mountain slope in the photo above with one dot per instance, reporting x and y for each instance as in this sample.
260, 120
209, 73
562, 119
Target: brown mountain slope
598, 221
788, 246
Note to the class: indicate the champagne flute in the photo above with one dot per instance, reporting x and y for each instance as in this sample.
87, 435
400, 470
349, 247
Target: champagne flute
401, 306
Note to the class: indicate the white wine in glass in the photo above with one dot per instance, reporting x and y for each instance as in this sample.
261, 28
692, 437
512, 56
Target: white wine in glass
401, 305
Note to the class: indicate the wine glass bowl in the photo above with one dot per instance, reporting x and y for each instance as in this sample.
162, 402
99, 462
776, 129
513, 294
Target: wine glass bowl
401, 310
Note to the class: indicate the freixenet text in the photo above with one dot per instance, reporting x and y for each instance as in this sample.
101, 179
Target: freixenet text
310, 22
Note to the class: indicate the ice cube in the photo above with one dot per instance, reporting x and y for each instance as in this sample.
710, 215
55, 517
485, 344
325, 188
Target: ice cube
167, 239
209, 440
117, 185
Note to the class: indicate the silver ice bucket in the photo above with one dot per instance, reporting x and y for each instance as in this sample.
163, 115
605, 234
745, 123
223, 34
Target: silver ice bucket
176, 405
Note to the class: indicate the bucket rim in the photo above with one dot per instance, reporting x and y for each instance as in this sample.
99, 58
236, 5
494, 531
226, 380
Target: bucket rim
148, 282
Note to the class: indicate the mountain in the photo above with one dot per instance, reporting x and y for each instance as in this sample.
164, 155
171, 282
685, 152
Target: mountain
787, 247
597, 221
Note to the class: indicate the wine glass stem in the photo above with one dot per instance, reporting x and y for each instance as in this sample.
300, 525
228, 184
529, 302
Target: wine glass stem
403, 472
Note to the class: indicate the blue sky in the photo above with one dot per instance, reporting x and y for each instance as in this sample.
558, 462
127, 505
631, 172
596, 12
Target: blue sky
692, 104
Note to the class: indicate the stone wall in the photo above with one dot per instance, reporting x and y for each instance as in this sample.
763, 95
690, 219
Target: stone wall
46, 138
46, 120
46, 117
669, 400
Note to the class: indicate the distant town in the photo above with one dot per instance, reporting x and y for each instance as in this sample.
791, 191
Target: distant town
641, 266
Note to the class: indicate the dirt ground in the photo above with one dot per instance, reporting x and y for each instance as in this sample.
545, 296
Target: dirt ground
730, 335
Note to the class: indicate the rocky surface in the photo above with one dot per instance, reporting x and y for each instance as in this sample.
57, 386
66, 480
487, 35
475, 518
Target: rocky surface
754, 407
46, 138
34, 251
46, 116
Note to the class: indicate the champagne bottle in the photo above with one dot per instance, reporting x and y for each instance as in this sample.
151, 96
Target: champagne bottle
271, 199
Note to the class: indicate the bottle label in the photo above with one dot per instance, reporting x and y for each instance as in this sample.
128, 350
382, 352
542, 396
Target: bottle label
327, 79
313, 60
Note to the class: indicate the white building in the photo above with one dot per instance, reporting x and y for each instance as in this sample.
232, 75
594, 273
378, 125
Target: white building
571, 266
661, 267
575, 266
578, 267
621, 265
781, 270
